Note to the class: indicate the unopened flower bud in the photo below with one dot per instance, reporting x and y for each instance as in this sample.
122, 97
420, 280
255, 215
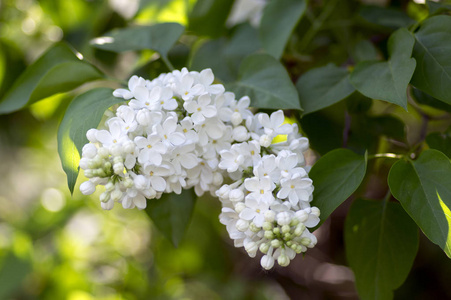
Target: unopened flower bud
91, 135
223, 192
267, 226
89, 173
116, 195
116, 150
84, 163
144, 117
306, 241
236, 195
315, 211
217, 178
270, 216
236, 118
87, 188
299, 229
109, 187
128, 182
240, 134
265, 140
105, 197
118, 168
251, 248
286, 228
283, 218
89, 151
283, 260
276, 243
239, 207
264, 247
242, 225
269, 235
129, 147
302, 216
107, 205
103, 152
253, 227
267, 262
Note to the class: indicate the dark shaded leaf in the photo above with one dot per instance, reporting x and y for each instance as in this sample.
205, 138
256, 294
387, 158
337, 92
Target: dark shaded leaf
171, 214
208, 17
381, 243
336, 176
266, 82
431, 51
159, 37
388, 80
279, 19
322, 87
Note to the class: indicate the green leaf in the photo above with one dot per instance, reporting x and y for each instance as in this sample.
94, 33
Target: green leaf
171, 214
431, 51
159, 37
426, 99
424, 189
322, 87
266, 82
437, 7
335, 177
208, 17
13, 271
58, 70
279, 19
84, 113
440, 141
364, 50
381, 243
244, 41
388, 80
386, 17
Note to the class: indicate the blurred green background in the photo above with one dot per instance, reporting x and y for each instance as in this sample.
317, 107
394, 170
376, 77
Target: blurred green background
54, 246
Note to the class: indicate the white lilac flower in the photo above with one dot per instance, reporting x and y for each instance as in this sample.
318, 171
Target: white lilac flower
181, 131
200, 109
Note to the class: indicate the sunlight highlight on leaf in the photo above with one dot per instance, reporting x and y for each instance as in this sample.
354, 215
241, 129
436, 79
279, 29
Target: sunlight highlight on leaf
447, 213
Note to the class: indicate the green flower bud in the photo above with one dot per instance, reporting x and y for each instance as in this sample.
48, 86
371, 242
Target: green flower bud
283, 260
286, 228
264, 247
269, 235
267, 226
306, 241
276, 243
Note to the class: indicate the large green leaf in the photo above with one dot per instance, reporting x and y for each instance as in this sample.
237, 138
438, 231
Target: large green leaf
278, 21
84, 113
432, 48
322, 87
266, 82
336, 176
58, 70
244, 41
208, 17
424, 189
159, 37
13, 272
381, 243
171, 214
388, 80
